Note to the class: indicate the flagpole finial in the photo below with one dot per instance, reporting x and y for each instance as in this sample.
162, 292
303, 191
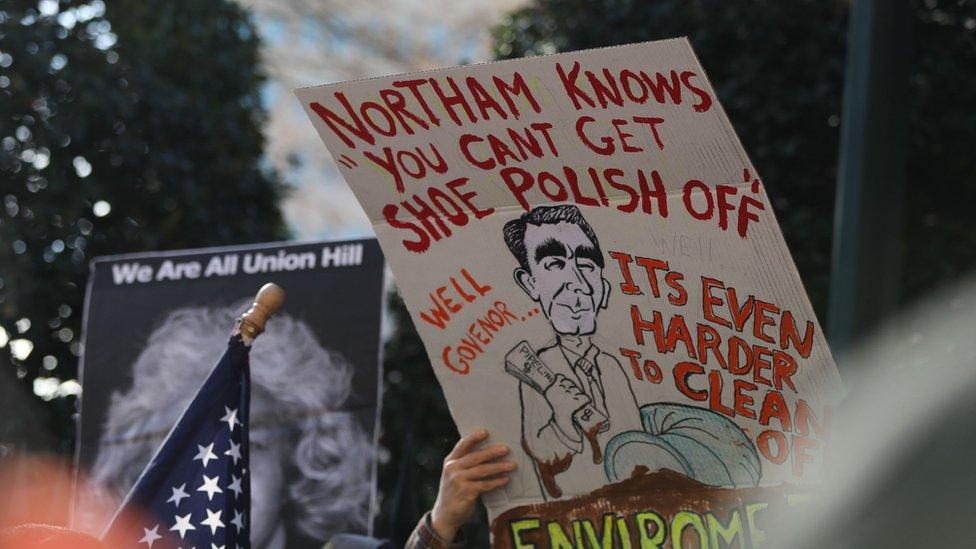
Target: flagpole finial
266, 303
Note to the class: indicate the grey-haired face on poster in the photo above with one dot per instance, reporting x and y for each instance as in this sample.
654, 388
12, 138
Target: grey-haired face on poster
307, 455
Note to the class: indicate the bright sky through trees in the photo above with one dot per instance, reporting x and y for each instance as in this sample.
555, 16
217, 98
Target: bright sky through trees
307, 43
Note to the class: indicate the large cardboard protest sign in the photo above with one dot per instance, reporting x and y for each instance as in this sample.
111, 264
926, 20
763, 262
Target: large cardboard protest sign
596, 271
155, 325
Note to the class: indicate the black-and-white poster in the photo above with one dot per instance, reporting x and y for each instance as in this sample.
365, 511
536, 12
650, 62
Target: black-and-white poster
157, 323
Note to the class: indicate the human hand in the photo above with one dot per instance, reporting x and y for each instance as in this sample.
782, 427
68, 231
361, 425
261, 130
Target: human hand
565, 398
467, 473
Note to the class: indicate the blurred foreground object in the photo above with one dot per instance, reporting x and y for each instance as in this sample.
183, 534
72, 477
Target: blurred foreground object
34, 492
901, 473
44, 536
180, 488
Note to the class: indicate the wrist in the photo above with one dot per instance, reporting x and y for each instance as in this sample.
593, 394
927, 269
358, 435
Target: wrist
443, 527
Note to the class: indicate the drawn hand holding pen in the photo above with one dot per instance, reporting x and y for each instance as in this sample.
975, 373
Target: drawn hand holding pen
573, 413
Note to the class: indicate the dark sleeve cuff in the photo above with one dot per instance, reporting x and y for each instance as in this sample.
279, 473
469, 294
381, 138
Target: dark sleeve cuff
424, 537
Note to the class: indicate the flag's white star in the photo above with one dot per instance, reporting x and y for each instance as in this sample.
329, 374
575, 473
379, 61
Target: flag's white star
215, 546
178, 494
150, 535
238, 520
182, 525
210, 486
205, 454
213, 521
230, 416
235, 485
234, 452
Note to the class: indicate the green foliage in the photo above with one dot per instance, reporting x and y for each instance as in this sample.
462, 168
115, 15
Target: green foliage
940, 222
136, 128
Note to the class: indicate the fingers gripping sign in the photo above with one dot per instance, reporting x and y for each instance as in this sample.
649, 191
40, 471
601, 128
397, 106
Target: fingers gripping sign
469, 471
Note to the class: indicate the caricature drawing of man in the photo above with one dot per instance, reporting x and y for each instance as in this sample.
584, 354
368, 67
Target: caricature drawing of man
560, 266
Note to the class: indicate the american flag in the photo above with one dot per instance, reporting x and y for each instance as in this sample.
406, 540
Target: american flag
195, 493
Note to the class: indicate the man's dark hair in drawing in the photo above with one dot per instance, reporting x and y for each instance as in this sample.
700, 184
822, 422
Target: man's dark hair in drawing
560, 267
515, 230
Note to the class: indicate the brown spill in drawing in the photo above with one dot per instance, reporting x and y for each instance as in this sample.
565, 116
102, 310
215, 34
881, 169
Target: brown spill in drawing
650, 509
